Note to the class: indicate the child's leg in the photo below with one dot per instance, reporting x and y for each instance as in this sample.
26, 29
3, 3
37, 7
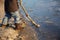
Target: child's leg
17, 20
12, 7
5, 21
16, 16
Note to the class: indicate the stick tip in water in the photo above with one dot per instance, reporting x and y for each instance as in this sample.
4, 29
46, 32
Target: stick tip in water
38, 25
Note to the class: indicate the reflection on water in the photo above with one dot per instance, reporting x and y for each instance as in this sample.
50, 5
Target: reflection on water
46, 13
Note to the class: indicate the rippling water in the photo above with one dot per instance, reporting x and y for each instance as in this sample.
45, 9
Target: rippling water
47, 14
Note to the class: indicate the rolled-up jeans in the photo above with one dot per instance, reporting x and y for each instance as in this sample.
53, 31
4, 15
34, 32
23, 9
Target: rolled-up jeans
15, 15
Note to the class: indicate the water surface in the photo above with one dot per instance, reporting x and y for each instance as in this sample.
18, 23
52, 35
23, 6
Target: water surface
47, 14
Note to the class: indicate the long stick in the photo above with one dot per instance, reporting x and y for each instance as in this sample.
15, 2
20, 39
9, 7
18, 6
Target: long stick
27, 15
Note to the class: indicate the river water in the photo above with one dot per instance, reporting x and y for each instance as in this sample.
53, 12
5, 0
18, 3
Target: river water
47, 14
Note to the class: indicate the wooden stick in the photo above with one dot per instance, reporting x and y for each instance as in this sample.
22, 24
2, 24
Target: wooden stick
27, 15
